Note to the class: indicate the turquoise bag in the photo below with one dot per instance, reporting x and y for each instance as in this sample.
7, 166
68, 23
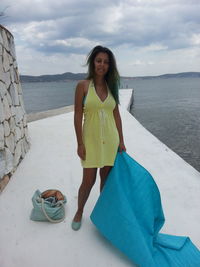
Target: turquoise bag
49, 209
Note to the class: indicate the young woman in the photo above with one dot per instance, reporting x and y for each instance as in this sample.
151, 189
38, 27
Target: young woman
100, 136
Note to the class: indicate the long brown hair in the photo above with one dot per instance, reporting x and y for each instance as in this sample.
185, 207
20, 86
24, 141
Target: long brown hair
112, 76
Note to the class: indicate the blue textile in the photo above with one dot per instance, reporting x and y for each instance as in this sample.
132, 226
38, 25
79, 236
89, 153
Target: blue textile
129, 214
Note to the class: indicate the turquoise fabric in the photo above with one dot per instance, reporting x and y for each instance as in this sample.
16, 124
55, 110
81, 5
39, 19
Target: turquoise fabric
84, 99
129, 214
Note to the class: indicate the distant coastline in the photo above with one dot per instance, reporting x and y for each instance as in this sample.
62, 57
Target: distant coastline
69, 76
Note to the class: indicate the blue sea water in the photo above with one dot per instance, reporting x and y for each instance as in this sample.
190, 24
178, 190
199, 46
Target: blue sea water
169, 108
41, 96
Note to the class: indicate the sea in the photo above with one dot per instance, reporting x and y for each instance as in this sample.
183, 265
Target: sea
168, 107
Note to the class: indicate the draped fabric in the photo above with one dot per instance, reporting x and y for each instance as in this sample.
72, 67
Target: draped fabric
129, 214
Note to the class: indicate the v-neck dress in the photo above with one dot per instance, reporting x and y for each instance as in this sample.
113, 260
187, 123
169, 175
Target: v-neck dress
100, 134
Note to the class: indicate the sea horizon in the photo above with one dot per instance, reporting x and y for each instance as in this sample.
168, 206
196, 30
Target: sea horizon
168, 108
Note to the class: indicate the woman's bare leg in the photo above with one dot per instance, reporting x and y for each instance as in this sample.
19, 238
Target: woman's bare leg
89, 178
103, 175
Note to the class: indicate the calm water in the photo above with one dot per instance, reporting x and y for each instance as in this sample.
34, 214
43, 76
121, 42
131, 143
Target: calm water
169, 108
42, 96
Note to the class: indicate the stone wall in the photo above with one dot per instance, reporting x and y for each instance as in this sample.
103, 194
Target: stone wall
14, 138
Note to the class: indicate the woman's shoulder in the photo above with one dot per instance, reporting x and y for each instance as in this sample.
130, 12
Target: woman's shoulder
83, 85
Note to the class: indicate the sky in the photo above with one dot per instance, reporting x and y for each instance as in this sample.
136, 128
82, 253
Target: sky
147, 37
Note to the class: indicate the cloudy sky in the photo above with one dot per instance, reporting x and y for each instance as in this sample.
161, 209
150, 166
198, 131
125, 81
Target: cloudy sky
148, 37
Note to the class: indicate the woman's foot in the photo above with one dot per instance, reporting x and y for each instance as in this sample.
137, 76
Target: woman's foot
76, 223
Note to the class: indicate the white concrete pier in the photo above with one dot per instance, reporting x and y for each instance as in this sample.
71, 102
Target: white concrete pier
52, 162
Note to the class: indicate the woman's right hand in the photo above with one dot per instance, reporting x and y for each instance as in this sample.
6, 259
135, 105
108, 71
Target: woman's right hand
81, 151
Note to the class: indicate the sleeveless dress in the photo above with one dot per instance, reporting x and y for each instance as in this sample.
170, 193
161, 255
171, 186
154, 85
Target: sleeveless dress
100, 134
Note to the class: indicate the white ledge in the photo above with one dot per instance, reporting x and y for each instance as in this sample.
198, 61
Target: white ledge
52, 162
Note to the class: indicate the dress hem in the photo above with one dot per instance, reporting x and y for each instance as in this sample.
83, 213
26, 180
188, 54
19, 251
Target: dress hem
99, 166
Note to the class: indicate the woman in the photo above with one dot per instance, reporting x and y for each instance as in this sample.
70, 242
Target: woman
101, 134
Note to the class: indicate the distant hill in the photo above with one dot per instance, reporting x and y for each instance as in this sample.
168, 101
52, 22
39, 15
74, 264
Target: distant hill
80, 76
173, 75
53, 78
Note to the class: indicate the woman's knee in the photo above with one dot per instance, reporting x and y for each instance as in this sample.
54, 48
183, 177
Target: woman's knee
104, 171
89, 177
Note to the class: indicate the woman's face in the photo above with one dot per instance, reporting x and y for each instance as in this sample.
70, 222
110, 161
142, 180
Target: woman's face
101, 64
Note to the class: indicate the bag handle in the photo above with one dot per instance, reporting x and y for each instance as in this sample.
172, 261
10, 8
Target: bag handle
47, 216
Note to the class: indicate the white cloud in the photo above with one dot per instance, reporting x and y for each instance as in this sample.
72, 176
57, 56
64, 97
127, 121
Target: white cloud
51, 29
75, 42
36, 63
155, 47
195, 40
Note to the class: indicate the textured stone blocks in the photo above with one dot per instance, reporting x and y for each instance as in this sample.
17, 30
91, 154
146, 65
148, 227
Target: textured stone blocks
14, 138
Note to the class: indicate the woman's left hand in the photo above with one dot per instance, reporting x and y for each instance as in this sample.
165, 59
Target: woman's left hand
122, 147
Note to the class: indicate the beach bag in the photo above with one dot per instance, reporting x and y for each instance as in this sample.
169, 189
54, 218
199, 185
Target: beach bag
48, 206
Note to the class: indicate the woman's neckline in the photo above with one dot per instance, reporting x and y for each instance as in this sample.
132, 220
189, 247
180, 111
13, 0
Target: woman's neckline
97, 94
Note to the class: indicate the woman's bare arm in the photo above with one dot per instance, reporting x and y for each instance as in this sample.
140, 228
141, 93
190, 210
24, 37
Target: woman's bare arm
78, 117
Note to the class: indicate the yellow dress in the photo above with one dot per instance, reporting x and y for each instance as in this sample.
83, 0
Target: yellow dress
100, 134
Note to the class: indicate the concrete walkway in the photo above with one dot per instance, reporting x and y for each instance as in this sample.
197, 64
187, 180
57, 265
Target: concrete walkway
52, 162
